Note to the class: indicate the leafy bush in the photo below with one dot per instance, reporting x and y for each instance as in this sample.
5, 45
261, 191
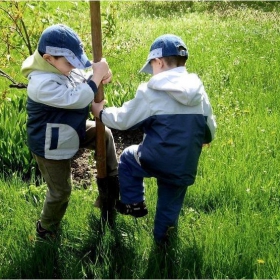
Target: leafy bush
15, 155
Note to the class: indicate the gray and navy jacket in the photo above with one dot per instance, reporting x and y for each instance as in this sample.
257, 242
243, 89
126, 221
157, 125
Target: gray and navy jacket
57, 108
175, 114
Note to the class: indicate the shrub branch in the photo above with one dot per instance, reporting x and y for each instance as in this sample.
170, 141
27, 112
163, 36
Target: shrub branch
14, 83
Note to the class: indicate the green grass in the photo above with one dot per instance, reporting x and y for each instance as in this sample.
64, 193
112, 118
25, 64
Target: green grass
229, 226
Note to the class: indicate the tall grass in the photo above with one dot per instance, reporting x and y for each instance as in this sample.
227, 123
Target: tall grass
229, 226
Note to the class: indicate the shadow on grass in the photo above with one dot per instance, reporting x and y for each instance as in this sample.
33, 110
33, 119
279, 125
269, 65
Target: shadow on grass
109, 252
171, 262
42, 262
102, 254
45, 260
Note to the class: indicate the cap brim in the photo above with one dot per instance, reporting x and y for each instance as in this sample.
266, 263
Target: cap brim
147, 68
79, 63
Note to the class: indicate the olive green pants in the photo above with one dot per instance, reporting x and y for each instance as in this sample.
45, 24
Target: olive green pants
57, 174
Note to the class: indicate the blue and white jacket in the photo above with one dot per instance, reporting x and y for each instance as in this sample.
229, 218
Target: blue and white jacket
175, 114
57, 108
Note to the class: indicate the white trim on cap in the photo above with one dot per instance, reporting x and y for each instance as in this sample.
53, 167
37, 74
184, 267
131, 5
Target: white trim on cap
156, 53
59, 52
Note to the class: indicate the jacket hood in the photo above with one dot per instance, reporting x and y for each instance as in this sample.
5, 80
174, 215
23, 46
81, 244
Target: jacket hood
179, 84
36, 62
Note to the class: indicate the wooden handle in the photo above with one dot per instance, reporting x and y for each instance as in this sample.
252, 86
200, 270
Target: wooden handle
96, 37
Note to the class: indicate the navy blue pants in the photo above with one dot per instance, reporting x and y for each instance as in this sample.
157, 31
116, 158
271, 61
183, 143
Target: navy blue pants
170, 198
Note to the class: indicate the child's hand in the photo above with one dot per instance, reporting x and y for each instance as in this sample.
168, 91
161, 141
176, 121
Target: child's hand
107, 78
102, 67
97, 107
101, 71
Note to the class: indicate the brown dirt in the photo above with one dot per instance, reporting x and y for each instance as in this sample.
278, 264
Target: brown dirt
83, 165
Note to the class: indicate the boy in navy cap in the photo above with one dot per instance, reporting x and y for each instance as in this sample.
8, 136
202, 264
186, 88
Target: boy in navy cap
174, 112
59, 94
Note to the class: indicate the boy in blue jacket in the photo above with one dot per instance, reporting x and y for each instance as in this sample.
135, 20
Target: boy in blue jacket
59, 94
175, 114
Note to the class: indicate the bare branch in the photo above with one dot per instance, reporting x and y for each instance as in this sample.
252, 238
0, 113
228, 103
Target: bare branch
15, 84
17, 28
3, 74
27, 37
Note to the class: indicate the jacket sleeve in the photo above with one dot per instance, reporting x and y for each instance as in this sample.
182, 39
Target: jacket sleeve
211, 125
55, 92
130, 115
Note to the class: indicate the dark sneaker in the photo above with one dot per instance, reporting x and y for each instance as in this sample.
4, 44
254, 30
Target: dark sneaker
136, 210
169, 236
43, 233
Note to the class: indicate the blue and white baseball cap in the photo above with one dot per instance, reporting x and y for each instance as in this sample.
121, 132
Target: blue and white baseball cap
165, 45
61, 40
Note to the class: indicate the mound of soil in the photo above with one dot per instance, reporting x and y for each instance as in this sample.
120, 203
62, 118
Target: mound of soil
83, 165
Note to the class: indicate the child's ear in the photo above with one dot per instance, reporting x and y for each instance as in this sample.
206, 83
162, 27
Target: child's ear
160, 62
47, 57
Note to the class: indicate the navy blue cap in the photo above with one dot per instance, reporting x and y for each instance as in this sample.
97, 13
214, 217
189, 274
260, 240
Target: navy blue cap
61, 40
165, 45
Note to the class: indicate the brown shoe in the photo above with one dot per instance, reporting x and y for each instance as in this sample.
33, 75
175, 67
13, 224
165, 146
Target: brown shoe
44, 233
